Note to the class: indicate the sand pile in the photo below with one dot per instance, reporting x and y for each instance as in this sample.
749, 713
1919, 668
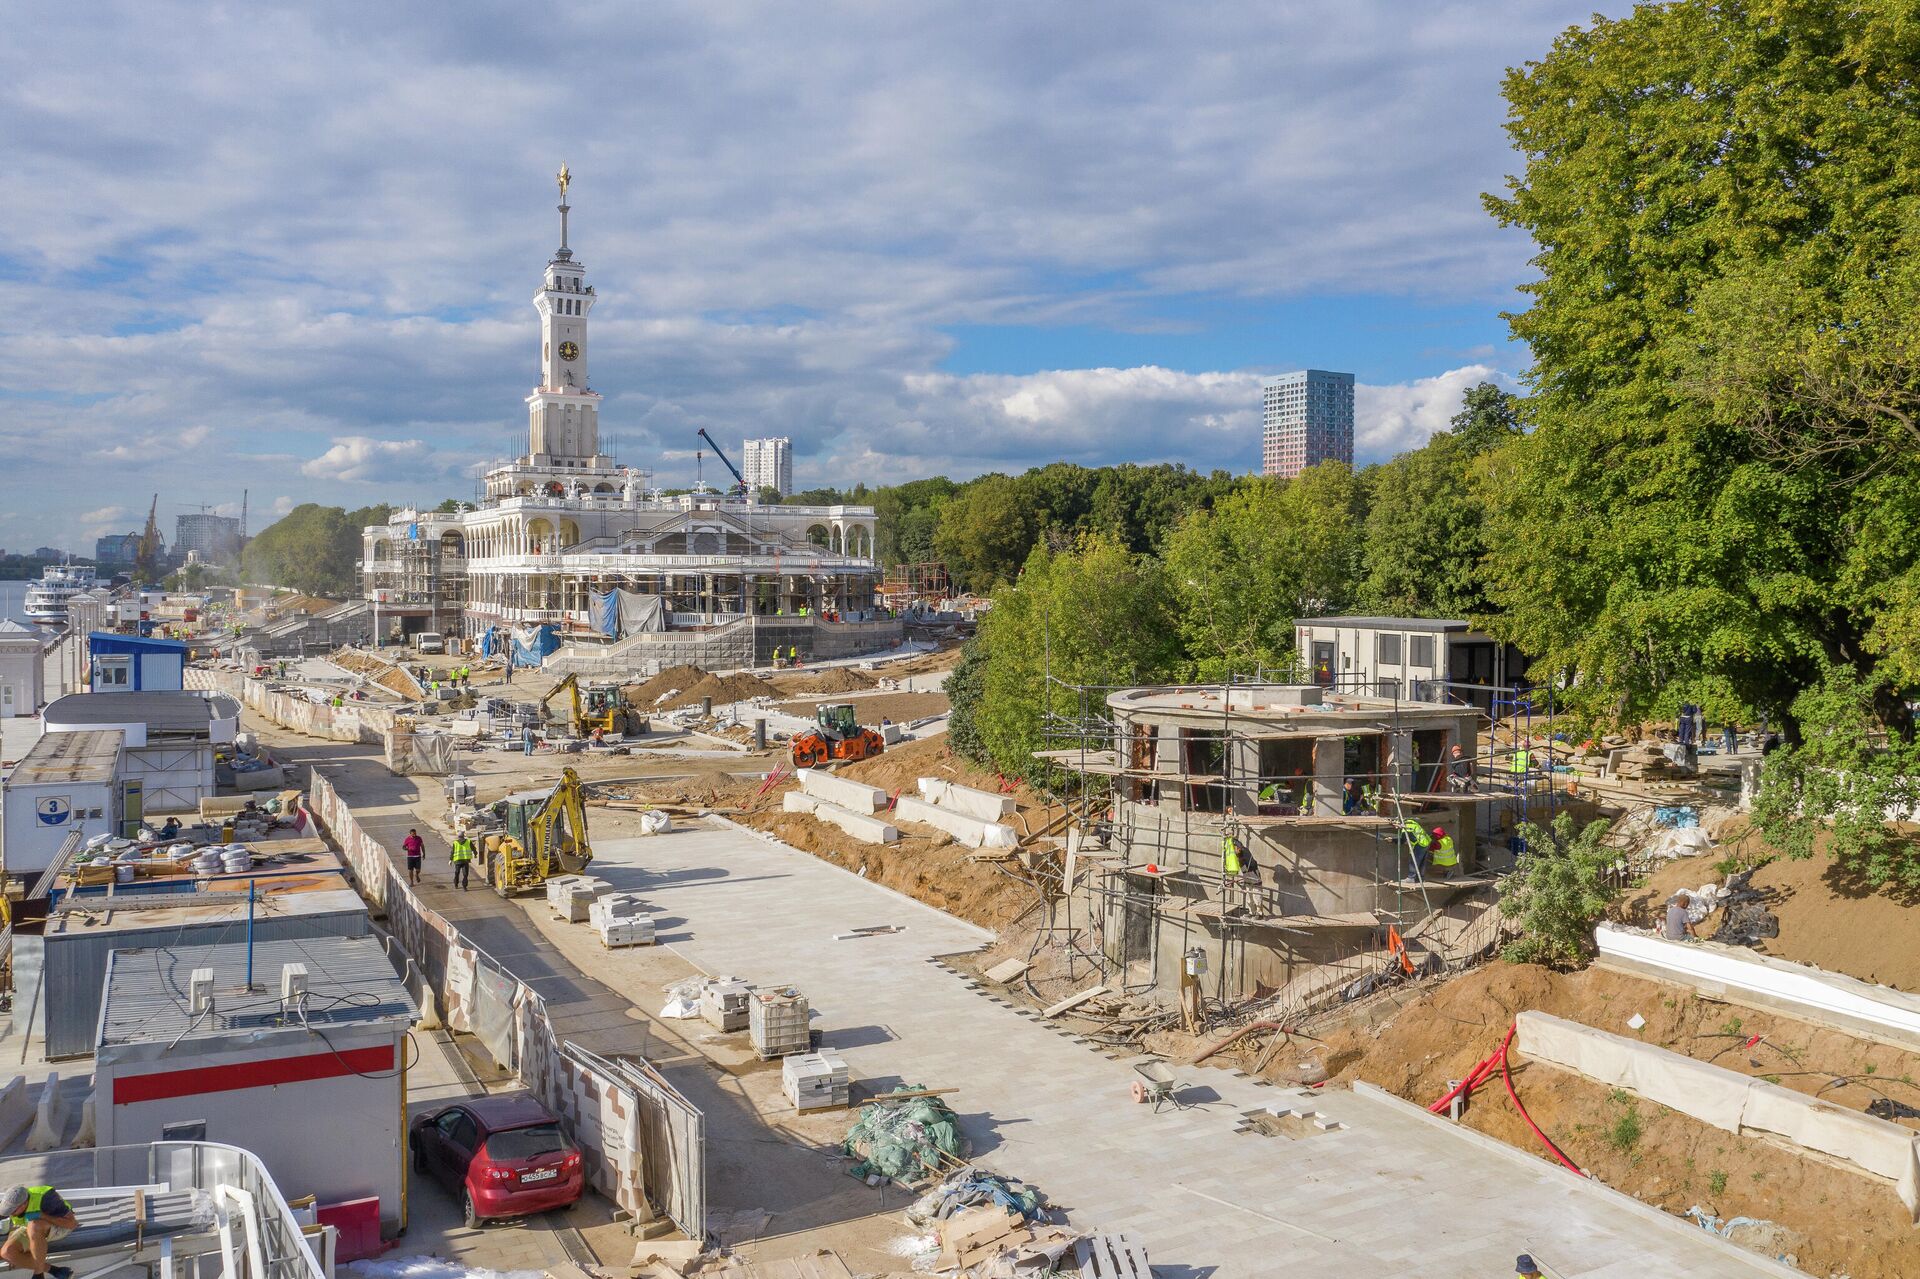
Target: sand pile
673, 679
840, 679
722, 689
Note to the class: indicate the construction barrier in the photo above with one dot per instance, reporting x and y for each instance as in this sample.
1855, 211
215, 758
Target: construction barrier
1728, 1100
611, 1111
354, 722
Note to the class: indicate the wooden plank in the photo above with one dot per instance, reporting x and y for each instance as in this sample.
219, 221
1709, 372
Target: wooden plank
1007, 970
1074, 1000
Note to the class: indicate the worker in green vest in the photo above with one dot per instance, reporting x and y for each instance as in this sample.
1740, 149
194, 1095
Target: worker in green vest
1521, 762
1446, 858
1229, 855
36, 1217
462, 860
1418, 845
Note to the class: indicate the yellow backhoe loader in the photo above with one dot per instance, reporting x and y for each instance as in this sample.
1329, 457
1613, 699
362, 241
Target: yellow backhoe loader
598, 706
543, 833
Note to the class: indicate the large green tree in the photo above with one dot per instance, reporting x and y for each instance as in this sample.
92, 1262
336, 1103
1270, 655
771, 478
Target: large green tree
1424, 543
1094, 615
1718, 191
313, 549
985, 532
1267, 553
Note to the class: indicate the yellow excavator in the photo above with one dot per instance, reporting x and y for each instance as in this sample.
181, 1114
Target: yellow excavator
542, 833
598, 706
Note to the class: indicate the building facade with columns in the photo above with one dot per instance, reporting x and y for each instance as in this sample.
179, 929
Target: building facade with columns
565, 523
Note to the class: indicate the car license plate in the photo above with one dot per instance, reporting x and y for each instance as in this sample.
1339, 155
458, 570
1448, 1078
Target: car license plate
542, 1174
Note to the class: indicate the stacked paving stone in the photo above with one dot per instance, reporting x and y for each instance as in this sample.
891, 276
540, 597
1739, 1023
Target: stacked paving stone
816, 1081
621, 919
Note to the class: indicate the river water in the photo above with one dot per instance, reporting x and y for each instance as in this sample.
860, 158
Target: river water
12, 596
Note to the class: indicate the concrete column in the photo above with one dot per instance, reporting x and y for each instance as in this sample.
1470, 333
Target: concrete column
1329, 775
1400, 760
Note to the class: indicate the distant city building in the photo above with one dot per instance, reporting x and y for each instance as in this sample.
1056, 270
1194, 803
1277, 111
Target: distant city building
215, 537
769, 465
1308, 419
116, 548
48, 553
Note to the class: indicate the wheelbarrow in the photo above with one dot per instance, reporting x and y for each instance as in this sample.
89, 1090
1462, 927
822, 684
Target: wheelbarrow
1156, 1084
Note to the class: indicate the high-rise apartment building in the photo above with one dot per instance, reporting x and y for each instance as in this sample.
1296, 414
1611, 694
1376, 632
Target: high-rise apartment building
768, 464
1308, 418
216, 537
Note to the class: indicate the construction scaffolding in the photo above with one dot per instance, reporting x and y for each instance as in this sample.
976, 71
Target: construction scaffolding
1139, 879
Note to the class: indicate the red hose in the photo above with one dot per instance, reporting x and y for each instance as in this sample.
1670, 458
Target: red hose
1479, 1075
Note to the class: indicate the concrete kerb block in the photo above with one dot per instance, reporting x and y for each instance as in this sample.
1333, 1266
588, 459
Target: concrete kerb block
83, 1140
49, 1117
855, 797
984, 805
16, 1109
862, 826
970, 831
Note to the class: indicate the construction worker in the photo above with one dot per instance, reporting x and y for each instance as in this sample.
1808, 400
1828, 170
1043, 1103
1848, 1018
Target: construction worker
1521, 762
36, 1217
1370, 798
1418, 845
415, 848
462, 860
1446, 858
1524, 1267
1229, 854
1459, 770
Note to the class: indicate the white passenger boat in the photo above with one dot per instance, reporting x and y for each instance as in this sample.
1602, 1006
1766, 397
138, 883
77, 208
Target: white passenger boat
47, 595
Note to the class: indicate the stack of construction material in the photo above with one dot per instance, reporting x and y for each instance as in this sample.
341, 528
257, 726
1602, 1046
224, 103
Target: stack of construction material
777, 1022
723, 1004
971, 816
815, 1081
621, 919
1648, 763
572, 896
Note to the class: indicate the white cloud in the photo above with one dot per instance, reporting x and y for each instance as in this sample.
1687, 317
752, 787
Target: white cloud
103, 520
282, 504
361, 458
1392, 419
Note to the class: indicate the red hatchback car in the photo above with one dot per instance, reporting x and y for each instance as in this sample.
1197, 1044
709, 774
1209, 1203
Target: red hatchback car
505, 1157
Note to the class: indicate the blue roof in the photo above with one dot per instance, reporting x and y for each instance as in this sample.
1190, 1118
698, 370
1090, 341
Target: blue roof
108, 642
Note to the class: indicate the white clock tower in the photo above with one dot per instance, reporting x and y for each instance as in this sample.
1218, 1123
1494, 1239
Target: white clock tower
563, 415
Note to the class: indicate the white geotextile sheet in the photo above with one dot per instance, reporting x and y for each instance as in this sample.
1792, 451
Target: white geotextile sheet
1727, 1099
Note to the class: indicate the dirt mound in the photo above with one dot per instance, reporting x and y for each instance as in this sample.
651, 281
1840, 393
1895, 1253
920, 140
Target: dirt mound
1828, 916
1843, 1222
839, 679
722, 689
672, 679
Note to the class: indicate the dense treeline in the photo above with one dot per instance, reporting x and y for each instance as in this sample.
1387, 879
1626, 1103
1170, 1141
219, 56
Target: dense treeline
313, 549
1205, 580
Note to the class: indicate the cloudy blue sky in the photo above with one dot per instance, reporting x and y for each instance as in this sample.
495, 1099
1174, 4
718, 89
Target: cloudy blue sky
292, 249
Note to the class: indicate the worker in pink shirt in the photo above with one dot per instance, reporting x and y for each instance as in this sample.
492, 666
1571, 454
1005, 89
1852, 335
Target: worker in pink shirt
415, 848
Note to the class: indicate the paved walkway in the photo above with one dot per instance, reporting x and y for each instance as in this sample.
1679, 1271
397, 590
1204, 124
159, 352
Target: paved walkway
1389, 1194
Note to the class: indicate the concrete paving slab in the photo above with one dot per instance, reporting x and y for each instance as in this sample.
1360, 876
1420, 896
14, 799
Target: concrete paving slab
1388, 1194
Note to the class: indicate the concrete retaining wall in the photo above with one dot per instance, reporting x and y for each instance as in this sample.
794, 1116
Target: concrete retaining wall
970, 831
848, 794
984, 805
1799, 990
863, 826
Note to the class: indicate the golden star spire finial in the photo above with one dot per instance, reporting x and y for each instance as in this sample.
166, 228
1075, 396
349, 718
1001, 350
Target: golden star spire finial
565, 179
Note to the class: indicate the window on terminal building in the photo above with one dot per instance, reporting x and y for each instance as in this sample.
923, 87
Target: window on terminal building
1387, 650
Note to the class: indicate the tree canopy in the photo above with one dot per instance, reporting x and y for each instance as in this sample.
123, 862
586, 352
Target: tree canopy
313, 549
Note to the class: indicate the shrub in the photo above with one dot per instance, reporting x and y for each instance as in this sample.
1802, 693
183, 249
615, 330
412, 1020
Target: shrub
1560, 888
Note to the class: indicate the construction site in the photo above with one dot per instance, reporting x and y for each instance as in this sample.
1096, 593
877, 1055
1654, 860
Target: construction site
1204, 994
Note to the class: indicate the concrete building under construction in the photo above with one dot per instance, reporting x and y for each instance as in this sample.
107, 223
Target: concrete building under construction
1316, 789
563, 527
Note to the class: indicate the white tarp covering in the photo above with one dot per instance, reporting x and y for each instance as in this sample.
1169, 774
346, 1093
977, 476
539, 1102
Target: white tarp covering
1727, 1099
1729, 969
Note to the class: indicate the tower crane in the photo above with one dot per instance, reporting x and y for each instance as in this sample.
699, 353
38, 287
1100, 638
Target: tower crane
740, 489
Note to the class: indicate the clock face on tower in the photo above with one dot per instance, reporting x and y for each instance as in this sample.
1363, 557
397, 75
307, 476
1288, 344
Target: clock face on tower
569, 350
